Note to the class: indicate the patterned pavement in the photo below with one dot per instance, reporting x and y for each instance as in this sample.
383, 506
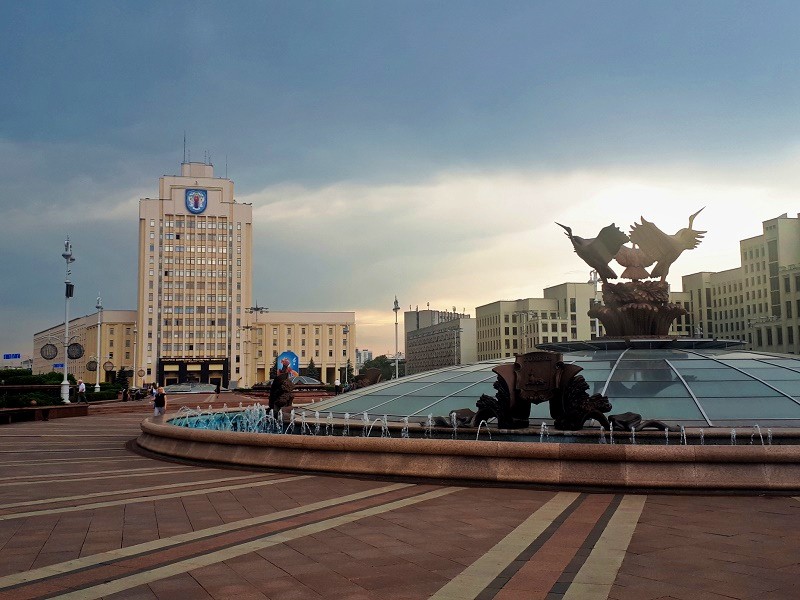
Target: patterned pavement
81, 516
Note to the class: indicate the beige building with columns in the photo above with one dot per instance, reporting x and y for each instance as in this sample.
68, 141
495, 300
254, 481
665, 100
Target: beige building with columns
194, 278
327, 338
116, 345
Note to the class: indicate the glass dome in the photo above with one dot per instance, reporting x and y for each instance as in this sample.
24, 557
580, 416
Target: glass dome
701, 387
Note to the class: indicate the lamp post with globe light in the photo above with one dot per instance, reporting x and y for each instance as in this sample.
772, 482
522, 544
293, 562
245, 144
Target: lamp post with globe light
99, 307
69, 289
396, 310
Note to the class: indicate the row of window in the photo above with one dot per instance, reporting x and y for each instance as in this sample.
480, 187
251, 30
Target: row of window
196, 223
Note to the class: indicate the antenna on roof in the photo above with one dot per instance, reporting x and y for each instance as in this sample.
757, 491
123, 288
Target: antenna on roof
184, 145
226, 166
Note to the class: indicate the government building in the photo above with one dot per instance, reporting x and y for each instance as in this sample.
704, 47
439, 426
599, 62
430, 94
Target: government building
194, 278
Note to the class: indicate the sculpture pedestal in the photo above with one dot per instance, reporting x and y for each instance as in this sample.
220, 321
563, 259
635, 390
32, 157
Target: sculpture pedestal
637, 308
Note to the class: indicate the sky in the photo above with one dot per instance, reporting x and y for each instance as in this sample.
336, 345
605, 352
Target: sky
419, 149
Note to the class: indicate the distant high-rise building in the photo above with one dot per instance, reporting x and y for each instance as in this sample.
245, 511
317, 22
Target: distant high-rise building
362, 356
194, 278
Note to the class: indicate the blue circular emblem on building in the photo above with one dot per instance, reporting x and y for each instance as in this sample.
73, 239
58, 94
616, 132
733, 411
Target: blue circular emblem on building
196, 201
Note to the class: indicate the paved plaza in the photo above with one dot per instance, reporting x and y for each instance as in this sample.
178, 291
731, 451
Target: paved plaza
83, 516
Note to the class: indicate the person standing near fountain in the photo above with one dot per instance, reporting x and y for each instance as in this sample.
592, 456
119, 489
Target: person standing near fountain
160, 403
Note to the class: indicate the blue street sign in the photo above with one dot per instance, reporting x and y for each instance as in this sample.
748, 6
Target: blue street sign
10, 356
58, 365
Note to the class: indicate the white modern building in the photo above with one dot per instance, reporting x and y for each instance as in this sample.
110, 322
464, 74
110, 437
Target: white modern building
194, 278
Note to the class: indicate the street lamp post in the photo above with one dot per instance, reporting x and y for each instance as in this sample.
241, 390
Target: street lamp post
134, 356
345, 331
245, 344
99, 307
69, 288
456, 357
396, 310
257, 310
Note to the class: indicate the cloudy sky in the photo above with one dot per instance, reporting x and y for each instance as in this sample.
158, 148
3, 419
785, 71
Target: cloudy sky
424, 149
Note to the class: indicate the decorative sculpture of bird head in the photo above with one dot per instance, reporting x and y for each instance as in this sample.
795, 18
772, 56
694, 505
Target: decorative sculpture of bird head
597, 252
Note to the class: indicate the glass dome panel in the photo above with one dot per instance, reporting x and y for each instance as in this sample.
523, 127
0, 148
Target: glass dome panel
750, 408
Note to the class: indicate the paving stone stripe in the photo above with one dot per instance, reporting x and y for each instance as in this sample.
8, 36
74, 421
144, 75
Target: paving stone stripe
596, 577
78, 459
125, 583
152, 488
74, 478
479, 575
56, 476
541, 568
48, 450
245, 526
579, 558
136, 500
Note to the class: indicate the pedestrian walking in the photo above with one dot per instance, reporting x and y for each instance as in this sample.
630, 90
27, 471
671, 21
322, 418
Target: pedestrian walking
160, 403
82, 392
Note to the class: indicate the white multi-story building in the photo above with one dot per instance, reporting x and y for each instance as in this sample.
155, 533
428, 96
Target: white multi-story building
194, 278
759, 301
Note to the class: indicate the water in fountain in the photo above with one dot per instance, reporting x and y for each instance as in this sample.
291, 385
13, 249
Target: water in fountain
702, 437
316, 422
329, 424
542, 431
769, 436
385, 428
369, 431
290, 426
633, 435
683, 441
611, 433
454, 422
365, 424
404, 433
602, 435
760, 436
346, 427
303, 423
487, 431
429, 427
666, 437
733, 437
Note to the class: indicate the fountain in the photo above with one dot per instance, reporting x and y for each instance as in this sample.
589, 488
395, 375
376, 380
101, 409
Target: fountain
638, 367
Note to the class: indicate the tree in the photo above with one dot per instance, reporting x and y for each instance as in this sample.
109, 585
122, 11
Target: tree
121, 379
386, 365
312, 370
349, 371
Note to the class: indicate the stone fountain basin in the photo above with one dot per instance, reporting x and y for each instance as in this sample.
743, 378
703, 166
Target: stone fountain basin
537, 464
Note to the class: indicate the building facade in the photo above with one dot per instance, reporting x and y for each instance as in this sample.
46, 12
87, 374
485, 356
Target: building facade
759, 301
117, 345
362, 356
437, 339
327, 338
194, 278
509, 327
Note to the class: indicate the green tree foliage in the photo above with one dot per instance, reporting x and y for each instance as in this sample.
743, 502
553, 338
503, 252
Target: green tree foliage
386, 365
312, 370
349, 376
121, 378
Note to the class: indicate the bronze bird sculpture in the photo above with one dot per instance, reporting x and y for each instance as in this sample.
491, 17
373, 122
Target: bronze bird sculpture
597, 252
634, 260
665, 249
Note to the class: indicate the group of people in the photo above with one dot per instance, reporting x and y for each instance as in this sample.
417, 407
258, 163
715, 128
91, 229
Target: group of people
157, 393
